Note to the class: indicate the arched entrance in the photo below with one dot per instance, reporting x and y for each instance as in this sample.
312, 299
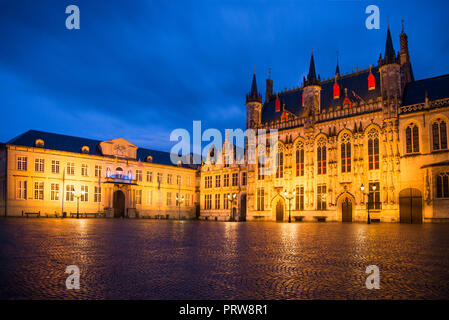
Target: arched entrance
410, 206
280, 211
346, 210
119, 204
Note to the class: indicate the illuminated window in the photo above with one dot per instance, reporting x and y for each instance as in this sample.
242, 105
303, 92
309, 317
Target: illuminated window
71, 168
22, 163
97, 194
226, 180
208, 202
98, 170
39, 165
300, 160
84, 170
38, 191
149, 176
21, 190
169, 203
39, 143
244, 178
345, 153
373, 149
442, 185
299, 198
261, 167
217, 181
70, 192
235, 179
439, 135
54, 191
85, 149
54, 166
321, 157
280, 164
412, 138
374, 195
321, 197
139, 175
84, 193
217, 201
138, 196
225, 201
169, 179
208, 182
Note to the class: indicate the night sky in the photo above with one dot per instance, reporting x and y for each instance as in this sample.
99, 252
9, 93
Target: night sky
140, 69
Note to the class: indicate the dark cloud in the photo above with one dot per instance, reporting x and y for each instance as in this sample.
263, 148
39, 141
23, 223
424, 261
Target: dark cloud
139, 69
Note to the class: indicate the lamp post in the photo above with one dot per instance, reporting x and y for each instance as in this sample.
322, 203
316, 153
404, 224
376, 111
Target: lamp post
231, 200
179, 201
77, 196
289, 206
362, 188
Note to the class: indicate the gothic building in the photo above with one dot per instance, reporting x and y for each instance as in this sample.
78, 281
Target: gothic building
367, 145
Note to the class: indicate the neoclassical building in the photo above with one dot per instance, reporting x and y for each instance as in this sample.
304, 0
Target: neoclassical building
56, 175
370, 144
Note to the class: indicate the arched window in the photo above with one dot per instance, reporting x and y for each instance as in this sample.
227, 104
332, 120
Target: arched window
412, 138
39, 143
373, 149
439, 135
321, 156
300, 160
280, 164
443, 185
260, 167
346, 153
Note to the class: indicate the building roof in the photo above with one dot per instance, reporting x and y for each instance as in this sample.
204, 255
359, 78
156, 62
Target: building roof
436, 88
355, 83
60, 142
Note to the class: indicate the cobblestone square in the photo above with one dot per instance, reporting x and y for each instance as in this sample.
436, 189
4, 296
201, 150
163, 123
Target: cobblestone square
151, 259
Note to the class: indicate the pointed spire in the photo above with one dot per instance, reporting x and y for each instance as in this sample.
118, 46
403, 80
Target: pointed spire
389, 50
311, 77
254, 95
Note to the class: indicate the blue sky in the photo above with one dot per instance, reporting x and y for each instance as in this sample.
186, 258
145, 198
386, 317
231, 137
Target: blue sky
140, 69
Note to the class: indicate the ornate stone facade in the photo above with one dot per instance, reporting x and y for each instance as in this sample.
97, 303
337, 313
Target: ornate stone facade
369, 145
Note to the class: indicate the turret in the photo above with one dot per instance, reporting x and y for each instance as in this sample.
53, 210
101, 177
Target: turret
312, 94
253, 105
390, 78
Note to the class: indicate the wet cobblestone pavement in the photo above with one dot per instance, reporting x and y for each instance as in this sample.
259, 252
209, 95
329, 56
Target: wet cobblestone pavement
145, 259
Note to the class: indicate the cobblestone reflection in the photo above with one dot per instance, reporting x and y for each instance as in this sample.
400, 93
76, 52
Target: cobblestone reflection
144, 259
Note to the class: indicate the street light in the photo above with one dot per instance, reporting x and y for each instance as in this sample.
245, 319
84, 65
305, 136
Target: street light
179, 201
362, 188
231, 200
289, 206
77, 196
